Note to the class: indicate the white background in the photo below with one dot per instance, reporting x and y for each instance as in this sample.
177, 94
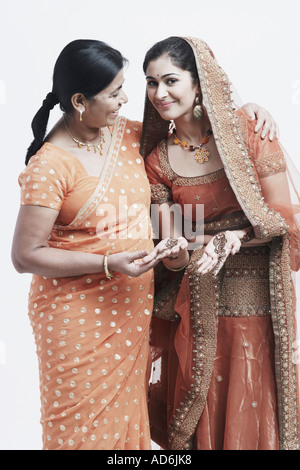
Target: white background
256, 42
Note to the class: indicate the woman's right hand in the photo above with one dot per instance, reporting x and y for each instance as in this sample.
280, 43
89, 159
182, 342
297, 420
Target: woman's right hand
31, 252
130, 263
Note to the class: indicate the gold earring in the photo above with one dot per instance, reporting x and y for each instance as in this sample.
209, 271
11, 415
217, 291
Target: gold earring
80, 117
198, 110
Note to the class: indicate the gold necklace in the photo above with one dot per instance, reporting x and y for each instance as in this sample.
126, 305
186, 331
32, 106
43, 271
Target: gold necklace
202, 155
80, 144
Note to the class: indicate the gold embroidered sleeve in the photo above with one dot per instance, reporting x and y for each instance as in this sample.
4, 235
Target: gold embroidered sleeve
270, 164
160, 193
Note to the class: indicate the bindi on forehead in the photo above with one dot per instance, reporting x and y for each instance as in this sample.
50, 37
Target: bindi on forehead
164, 76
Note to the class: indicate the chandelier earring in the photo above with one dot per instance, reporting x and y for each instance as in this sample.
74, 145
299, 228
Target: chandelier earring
198, 110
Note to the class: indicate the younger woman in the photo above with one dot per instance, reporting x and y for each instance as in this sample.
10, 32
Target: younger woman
227, 377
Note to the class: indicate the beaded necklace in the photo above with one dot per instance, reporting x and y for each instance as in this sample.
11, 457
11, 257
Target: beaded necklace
202, 155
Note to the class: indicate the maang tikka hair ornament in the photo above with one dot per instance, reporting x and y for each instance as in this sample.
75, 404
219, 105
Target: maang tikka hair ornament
198, 110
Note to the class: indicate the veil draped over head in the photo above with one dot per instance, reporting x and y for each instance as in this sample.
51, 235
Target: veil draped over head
276, 218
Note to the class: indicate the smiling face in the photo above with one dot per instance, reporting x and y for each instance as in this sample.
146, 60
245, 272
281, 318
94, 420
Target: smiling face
170, 89
104, 108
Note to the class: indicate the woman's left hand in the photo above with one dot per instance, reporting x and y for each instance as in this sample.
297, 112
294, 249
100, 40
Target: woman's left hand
264, 120
168, 248
217, 251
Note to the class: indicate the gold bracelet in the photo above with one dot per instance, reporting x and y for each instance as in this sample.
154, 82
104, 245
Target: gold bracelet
107, 273
176, 269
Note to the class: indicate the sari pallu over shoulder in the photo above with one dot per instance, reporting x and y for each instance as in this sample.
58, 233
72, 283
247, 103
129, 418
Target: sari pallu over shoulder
104, 178
269, 221
118, 216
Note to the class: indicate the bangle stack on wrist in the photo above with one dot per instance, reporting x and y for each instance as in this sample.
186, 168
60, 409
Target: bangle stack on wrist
108, 274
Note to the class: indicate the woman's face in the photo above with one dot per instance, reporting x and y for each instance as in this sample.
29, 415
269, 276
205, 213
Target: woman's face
104, 108
170, 89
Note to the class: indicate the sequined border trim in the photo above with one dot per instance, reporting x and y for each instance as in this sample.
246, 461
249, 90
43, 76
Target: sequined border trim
245, 284
204, 294
270, 165
184, 180
234, 221
284, 332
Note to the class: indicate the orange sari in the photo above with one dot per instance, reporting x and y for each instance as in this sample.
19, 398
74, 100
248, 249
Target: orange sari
92, 333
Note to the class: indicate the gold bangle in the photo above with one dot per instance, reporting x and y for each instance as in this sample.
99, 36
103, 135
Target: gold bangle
107, 273
176, 269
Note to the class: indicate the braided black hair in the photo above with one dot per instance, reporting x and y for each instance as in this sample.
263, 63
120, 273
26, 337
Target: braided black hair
84, 66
